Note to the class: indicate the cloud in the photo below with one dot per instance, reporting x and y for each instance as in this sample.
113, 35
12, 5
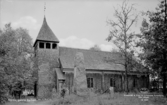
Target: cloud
27, 22
83, 43
105, 47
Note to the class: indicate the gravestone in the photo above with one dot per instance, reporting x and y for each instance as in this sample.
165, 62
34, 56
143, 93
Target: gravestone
80, 82
111, 89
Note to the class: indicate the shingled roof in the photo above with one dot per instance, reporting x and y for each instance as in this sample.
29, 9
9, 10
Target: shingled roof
97, 60
46, 34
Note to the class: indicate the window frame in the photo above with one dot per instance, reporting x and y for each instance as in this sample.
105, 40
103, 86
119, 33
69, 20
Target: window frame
90, 82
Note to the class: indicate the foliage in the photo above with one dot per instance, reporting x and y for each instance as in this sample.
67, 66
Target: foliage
153, 38
16, 56
2, 87
153, 41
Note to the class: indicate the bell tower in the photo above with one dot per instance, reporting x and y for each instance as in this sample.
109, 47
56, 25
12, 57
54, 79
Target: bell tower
46, 61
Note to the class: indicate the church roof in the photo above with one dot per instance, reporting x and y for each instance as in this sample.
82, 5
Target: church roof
97, 60
46, 34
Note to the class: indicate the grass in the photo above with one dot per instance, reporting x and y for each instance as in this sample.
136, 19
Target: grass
102, 99
117, 99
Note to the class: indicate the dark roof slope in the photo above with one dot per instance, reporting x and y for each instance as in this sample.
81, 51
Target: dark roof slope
46, 33
97, 60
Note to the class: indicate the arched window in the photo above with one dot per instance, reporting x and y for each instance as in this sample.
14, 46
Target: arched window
48, 45
54, 46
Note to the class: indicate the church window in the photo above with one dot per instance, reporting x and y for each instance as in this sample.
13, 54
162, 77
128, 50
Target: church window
48, 45
90, 82
54, 46
41, 45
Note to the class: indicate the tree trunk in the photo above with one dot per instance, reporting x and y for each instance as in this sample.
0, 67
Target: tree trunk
164, 53
126, 60
126, 78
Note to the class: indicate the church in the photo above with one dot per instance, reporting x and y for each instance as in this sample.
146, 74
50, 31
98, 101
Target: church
55, 66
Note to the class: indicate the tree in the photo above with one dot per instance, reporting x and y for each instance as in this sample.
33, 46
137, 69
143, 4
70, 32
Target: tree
153, 41
3, 89
120, 33
95, 48
16, 53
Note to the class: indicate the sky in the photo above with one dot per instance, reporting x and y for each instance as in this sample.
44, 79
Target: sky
76, 23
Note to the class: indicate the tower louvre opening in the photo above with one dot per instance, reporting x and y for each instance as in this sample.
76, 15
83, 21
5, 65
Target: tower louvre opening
47, 45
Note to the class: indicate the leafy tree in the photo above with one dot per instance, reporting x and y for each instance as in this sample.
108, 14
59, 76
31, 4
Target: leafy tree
120, 33
3, 90
153, 41
16, 56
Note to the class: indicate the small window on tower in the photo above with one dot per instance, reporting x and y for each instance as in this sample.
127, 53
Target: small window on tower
54, 46
48, 45
41, 45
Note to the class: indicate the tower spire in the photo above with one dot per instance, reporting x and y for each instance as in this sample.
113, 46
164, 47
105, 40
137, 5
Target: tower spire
44, 8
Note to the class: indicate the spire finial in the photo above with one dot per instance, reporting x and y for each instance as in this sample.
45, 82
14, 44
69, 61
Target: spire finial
44, 8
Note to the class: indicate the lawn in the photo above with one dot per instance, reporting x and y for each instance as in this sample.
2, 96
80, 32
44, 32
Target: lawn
101, 99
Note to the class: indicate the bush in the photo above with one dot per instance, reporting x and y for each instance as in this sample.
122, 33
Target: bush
3, 96
3, 87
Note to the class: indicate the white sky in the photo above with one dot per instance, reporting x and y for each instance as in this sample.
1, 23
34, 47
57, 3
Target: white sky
76, 23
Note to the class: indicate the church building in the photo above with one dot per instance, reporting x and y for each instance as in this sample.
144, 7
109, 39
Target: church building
55, 65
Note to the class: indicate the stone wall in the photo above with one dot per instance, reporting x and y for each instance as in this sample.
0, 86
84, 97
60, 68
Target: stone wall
47, 61
97, 80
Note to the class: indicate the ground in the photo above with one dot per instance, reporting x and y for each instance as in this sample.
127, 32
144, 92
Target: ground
101, 99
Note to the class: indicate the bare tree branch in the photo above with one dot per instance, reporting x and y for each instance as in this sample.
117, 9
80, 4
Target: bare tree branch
132, 23
119, 31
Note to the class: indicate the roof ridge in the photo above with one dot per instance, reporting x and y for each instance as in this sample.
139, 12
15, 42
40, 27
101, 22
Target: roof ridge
86, 49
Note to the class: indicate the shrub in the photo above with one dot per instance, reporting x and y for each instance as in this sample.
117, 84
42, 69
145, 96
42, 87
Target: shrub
3, 90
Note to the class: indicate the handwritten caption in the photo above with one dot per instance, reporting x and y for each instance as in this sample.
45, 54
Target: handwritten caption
142, 97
